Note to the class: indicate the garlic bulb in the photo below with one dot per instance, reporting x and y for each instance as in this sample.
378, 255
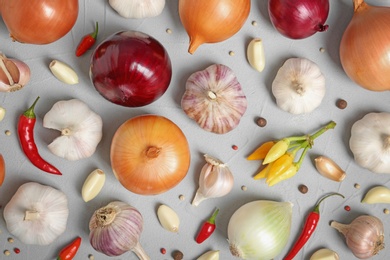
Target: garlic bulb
63, 72
81, 129
93, 185
255, 54
168, 218
329, 169
377, 194
214, 99
364, 235
36, 214
116, 229
370, 142
14, 74
299, 86
215, 180
137, 8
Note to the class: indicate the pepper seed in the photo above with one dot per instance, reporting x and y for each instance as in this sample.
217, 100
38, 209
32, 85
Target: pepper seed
347, 208
7, 132
168, 31
261, 122
178, 255
231, 53
163, 251
386, 211
234, 147
16, 250
182, 197
322, 49
341, 103
10, 240
7, 252
357, 186
91, 257
244, 188
303, 188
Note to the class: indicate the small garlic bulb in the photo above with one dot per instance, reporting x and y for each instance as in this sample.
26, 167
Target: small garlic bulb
81, 129
364, 235
137, 8
299, 86
215, 180
14, 74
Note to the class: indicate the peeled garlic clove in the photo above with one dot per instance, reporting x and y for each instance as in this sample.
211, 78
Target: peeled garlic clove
324, 254
378, 194
14, 74
63, 72
137, 8
168, 218
255, 54
209, 255
2, 113
329, 169
93, 185
215, 180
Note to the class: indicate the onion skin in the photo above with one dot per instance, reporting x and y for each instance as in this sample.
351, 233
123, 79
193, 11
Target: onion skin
211, 21
131, 69
365, 47
39, 22
149, 154
298, 19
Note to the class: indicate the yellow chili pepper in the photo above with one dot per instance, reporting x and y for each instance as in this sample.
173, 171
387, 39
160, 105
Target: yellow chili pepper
261, 151
277, 150
264, 172
290, 172
280, 166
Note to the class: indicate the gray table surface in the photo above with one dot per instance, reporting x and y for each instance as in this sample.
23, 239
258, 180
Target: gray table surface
247, 136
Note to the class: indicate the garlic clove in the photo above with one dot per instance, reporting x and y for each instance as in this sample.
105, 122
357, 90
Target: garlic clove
14, 74
93, 185
63, 72
137, 8
377, 194
329, 169
2, 113
325, 254
209, 255
255, 54
168, 218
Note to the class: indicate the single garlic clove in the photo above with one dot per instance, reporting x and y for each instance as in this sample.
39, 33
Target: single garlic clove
137, 9
255, 54
2, 113
93, 185
329, 169
325, 254
14, 74
63, 72
209, 255
377, 194
168, 218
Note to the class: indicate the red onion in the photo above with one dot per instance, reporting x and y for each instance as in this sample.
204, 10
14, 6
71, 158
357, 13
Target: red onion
131, 69
298, 19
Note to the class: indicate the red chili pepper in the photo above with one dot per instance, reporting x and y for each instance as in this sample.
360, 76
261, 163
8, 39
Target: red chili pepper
87, 41
207, 228
309, 228
26, 137
68, 252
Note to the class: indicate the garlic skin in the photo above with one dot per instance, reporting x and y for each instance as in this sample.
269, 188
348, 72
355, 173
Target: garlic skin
93, 185
370, 142
63, 72
36, 214
137, 9
14, 74
329, 169
81, 129
2, 113
377, 194
214, 99
324, 254
168, 218
364, 235
299, 86
255, 54
116, 229
215, 180
209, 255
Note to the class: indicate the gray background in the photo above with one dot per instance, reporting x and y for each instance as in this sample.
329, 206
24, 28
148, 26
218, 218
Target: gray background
247, 136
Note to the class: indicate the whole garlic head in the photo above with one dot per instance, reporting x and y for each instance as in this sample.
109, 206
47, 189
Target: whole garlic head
214, 99
370, 142
137, 8
14, 74
299, 86
81, 129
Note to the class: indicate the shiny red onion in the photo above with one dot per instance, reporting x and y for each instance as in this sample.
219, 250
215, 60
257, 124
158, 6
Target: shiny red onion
131, 69
298, 19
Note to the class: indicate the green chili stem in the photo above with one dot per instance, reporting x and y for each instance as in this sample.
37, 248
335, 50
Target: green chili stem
330, 125
317, 206
303, 154
29, 113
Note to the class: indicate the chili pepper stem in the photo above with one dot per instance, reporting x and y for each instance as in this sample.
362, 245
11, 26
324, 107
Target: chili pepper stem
95, 33
213, 217
317, 206
29, 113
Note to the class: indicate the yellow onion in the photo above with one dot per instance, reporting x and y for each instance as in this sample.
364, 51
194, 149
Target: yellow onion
149, 154
39, 21
365, 47
211, 21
